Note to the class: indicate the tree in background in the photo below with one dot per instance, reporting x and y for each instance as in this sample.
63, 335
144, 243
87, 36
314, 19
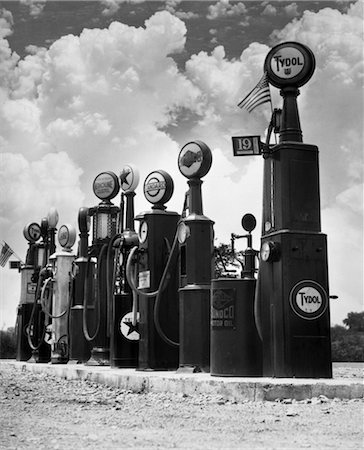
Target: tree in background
347, 343
8, 343
355, 321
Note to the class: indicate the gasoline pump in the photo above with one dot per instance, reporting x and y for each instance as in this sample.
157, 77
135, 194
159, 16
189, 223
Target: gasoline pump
156, 277
97, 281
55, 297
32, 234
79, 347
124, 327
38, 328
293, 294
236, 348
195, 237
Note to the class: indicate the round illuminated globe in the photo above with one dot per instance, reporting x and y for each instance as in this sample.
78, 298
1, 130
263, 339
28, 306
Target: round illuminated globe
66, 236
158, 187
195, 159
32, 232
129, 178
289, 64
84, 220
106, 185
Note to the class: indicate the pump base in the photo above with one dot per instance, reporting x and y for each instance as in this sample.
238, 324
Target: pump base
189, 369
56, 358
99, 357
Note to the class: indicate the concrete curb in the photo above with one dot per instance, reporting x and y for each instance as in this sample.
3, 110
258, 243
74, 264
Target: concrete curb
230, 388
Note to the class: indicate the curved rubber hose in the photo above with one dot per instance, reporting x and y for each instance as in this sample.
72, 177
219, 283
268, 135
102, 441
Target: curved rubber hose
84, 315
157, 293
110, 282
159, 296
31, 319
43, 302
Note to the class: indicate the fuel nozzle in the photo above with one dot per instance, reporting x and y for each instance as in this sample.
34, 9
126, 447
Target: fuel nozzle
248, 222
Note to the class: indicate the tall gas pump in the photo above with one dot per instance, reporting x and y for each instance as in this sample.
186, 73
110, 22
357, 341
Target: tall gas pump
79, 347
38, 328
104, 220
293, 293
32, 234
124, 331
56, 294
195, 236
157, 275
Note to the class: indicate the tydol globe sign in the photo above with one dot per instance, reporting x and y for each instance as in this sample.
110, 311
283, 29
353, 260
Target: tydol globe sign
289, 64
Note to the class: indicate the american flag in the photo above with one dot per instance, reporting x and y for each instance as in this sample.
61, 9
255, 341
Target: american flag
257, 96
5, 253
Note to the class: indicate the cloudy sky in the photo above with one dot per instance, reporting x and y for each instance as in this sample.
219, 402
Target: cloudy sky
93, 86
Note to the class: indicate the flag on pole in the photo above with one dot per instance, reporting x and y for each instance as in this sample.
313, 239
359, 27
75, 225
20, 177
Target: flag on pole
5, 253
257, 96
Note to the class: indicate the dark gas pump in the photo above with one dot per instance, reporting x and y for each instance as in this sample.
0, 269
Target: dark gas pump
195, 236
32, 234
236, 348
55, 297
293, 293
124, 331
38, 328
79, 347
104, 220
157, 277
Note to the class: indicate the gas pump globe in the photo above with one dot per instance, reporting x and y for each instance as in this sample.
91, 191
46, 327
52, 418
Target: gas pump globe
52, 219
106, 186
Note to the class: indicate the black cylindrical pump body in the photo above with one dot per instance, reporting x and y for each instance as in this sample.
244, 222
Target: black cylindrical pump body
296, 335
124, 335
196, 271
154, 352
236, 349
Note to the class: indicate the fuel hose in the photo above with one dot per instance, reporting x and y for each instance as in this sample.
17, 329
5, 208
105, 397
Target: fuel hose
158, 293
98, 295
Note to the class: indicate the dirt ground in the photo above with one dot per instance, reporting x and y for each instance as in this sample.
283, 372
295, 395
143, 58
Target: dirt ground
40, 411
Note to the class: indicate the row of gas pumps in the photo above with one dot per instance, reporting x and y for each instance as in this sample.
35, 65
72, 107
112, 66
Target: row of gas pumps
149, 300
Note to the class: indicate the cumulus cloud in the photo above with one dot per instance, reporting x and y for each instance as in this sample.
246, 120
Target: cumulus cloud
35, 6
223, 8
269, 10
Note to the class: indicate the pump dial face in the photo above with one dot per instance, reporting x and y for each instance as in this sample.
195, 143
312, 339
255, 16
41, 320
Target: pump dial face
270, 251
182, 232
265, 251
143, 232
32, 232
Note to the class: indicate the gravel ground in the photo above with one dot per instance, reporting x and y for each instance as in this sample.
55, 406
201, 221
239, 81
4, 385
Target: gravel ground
40, 411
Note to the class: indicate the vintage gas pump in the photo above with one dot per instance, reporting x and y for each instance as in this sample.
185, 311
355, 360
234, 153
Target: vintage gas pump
195, 236
79, 347
55, 294
236, 348
38, 328
293, 293
157, 277
105, 218
124, 331
32, 234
